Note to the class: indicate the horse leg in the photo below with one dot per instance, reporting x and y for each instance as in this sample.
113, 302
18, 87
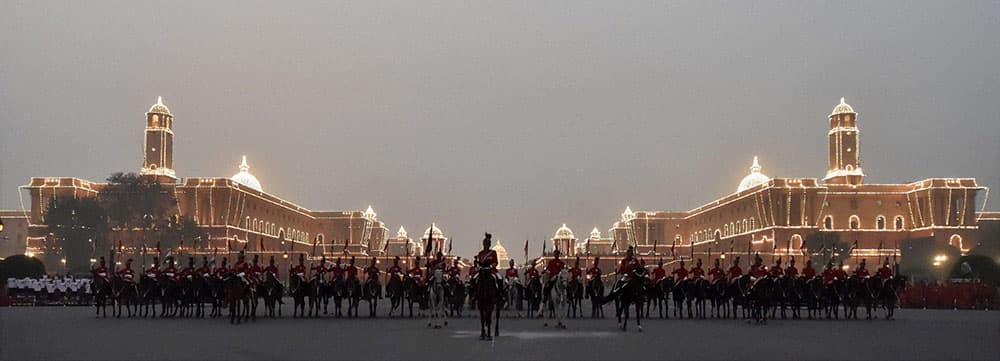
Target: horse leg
638, 317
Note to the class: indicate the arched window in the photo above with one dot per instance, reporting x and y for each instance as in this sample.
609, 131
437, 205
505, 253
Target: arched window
855, 222
725, 230
256, 227
828, 222
717, 235
745, 225
677, 239
732, 227
956, 241
899, 222
796, 241
752, 226
880, 222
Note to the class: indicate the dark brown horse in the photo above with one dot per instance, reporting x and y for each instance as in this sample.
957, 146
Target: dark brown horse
488, 303
238, 299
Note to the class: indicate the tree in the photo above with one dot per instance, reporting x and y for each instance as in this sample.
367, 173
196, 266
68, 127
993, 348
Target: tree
982, 267
133, 201
182, 230
826, 246
79, 229
21, 266
920, 258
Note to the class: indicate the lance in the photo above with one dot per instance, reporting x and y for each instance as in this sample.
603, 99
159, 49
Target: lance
774, 248
526, 250
143, 255
655, 242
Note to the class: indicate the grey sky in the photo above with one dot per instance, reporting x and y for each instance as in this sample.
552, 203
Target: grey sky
509, 117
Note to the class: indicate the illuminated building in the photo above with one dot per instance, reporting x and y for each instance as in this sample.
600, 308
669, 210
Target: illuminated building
236, 213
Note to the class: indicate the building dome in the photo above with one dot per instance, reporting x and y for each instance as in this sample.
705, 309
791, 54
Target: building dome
159, 108
401, 234
370, 213
501, 251
628, 215
842, 108
434, 232
564, 233
755, 178
595, 234
245, 178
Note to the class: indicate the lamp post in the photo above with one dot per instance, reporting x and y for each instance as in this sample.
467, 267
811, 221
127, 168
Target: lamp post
1, 224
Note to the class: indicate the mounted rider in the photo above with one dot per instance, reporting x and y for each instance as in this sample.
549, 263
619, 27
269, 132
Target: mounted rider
270, 269
885, 272
735, 271
241, 269
776, 271
222, 271
351, 271
189, 271
126, 273
716, 272
757, 269
319, 270
659, 272
531, 273
829, 274
256, 272
204, 271
680, 273
153, 272
552, 269
861, 271
417, 272
809, 272
575, 272
170, 272
628, 264
101, 271
298, 270
595, 270
372, 272
696, 271
840, 271
395, 270
791, 271
511, 273
454, 271
336, 271
487, 257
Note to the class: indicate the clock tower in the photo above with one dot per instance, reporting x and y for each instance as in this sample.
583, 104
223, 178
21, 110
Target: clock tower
158, 159
845, 152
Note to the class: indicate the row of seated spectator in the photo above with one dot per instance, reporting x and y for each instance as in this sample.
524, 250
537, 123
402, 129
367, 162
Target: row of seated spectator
46, 291
952, 294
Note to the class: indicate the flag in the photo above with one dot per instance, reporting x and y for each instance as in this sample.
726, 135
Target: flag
158, 251
429, 246
449, 246
673, 247
120, 247
544, 247
525, 250
229, 246
347, 242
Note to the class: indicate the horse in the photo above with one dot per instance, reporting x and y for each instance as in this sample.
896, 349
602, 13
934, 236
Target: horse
786, 296
574, 297
299, 290
394, 291
170, 295
124, 293
833, 294
414, 293
680, 293
337, 290
719, 297
487, 302
632, 292
271, 291
202, 292
371, 293
889, 295
186, 296
556, 296
437, 299
738, 291
352, 292
595, 292
534, 295
698, 294
238, 299
218, 294
813, 296
515, 295
869, 294
854, 296
657, 293
316, 294
455, 292
761, 297
101, 289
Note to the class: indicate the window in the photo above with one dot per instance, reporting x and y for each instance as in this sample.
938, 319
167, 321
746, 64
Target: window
956, 241
828, 222
899, 222
725, 229
855, 222
880, 222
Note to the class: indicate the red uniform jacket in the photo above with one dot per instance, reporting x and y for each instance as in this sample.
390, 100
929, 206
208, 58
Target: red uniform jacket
841, 274
716, 273
170, 272
395, 269
758, 271
735, 272
372, 272
220, 272
511, 273
828, 276
204, 272
352, 272
554, 267
885, 272
187, 272
417, 274
256, 273
532, 272
489, 257
127, 274
680, 273
628, 265
153, 272
299, 270
861, 272
272, 270
659, 273
791, 271
100, 272
697, 272
575, 273
775, 271
594, 272
809, 273
319, 270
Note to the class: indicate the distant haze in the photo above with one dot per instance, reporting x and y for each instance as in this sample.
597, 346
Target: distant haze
508, 117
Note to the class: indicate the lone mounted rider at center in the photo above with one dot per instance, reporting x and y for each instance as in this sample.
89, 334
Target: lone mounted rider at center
487, 257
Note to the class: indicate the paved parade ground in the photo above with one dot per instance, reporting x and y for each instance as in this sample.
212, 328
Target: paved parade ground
74, 333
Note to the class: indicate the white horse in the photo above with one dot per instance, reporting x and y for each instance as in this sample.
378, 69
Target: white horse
436, 300
513, 284
555, 298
